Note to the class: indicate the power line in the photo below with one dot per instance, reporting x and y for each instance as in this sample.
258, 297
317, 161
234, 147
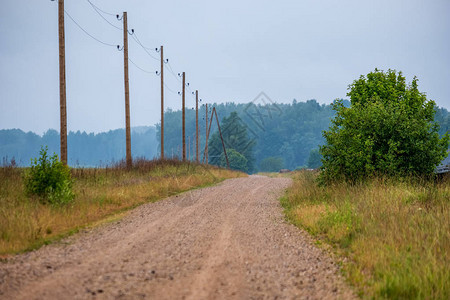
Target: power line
172, 72
142, 46
143, 70
134, 35
170, 89
148, 48
79, 26
98, 10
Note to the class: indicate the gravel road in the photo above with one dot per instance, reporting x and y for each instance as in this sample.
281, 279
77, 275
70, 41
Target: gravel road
229, 241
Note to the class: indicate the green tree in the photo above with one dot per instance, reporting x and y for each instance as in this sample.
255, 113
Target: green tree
389, 129
314, 160
235, 136
237, 161
271, 164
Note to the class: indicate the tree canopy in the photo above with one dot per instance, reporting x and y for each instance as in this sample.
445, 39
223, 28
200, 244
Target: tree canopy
271, 164
236, 160
315, 159
282, 130
389, 129
289, 131
235, 137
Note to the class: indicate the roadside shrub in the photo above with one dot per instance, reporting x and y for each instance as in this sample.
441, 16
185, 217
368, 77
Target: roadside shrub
388, 130
237, 161
271, 164
49, 179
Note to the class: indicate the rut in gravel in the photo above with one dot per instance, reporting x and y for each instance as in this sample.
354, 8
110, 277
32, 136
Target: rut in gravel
229, 241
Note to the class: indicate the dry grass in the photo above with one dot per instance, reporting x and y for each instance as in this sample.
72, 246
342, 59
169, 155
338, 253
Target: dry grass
100, 193
395, 234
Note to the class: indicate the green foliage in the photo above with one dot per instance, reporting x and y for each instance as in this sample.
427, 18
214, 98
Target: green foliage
234, 133
278, 130
394, 234
290, 133
315, 159
49, 179
271, 164
389, 129
237, 161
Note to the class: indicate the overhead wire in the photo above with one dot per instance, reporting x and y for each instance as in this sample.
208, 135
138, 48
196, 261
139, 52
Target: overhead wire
143, 70
106, 13
148, 48
98, 10
135, 37
172, 72
190, 92
84, 30
142, 46
170, 89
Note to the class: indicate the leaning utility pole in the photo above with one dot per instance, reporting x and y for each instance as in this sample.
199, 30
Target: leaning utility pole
127, 92
62, 83
208, 129
196, 125
184, 115
162, 102
220, 133
207, 134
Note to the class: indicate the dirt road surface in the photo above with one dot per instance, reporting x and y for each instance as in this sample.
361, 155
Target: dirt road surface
229, 241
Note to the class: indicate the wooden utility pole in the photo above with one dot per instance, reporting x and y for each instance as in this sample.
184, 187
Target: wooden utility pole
184, 116
207, 134
162, 102
196, 126
127, 92
62, 83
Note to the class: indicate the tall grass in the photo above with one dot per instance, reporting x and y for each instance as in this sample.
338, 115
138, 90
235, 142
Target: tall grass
395, 235
25, 223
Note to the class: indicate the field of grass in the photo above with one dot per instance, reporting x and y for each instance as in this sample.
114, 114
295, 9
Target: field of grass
393, 236
25, 223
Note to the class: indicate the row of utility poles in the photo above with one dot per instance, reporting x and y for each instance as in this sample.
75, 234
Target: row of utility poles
129, 162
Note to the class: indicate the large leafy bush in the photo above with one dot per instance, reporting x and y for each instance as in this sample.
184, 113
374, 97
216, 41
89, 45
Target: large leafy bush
389, 129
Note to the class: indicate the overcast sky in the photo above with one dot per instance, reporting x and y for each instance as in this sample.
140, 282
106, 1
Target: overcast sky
230, 50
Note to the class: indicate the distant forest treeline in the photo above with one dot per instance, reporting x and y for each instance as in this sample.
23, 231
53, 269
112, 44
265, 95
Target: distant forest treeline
83, 149
286, 131
289, 131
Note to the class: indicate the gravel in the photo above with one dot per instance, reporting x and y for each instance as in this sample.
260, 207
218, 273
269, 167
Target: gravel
229, 241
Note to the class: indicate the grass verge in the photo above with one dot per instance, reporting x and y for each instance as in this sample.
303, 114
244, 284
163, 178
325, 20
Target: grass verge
100, 193
395, 235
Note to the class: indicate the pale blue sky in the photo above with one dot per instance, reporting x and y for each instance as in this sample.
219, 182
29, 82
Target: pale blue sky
231, 50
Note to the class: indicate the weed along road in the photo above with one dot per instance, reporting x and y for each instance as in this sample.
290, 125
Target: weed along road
229, 241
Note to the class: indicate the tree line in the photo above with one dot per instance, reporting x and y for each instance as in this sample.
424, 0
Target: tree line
270, 136
274, 136
84, 149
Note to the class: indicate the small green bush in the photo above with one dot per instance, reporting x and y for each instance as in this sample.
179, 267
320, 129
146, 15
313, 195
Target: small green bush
237, 161
271, 164
49, 179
